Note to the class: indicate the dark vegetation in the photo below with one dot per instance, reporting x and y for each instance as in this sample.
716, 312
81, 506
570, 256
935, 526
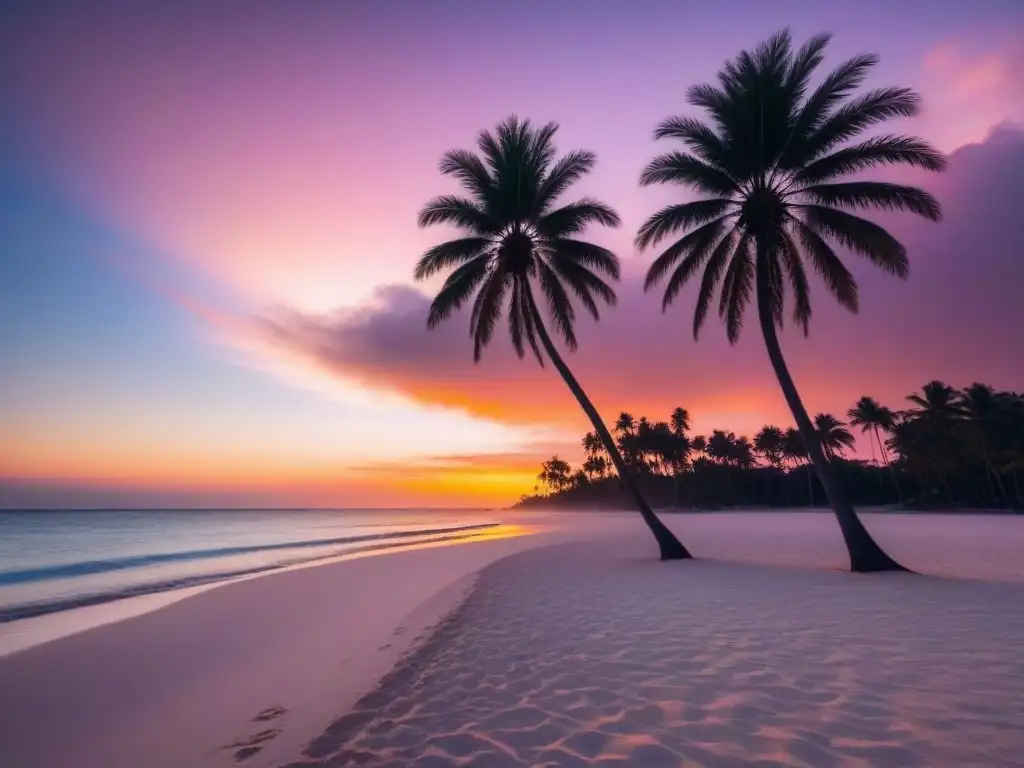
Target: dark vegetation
948, 449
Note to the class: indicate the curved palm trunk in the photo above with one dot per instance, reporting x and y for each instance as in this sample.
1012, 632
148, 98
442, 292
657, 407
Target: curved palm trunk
810, 485
865, 554
671, 548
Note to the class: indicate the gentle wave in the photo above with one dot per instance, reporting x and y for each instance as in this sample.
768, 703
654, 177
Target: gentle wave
70, 570
369, 542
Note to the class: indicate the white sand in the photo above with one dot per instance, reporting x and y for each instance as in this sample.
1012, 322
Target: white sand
573, 654
593, 654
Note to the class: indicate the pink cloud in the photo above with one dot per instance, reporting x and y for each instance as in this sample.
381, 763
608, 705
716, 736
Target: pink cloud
958, 318
971, 88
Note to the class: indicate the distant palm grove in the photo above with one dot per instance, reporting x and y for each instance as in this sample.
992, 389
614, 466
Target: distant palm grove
948, 448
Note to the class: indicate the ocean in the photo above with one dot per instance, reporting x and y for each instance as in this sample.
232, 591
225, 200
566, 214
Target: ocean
52, 561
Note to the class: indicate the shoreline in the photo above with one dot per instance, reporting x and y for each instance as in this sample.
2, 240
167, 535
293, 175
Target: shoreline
263, 661
357, 545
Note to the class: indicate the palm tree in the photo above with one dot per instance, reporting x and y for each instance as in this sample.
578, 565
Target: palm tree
873, 417
518, 237
938, 401
867, 414
699, 443
592, 444
680, 421
833, 435
769, 443
769, 165
555, 473
721, 446
743, 453
625, 424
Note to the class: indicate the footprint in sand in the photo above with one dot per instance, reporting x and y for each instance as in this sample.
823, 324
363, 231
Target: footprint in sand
270, 713
250, 745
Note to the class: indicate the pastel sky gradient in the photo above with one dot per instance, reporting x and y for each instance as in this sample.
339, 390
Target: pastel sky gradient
207, 234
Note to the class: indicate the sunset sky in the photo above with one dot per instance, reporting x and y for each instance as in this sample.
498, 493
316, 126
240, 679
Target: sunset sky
208, 230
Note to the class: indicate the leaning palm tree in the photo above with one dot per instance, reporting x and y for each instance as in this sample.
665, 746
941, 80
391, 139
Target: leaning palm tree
769, 165
517, 239
833, 435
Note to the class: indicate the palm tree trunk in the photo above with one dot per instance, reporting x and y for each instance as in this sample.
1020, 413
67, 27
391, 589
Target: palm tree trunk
671, 548
810, 485
865, 553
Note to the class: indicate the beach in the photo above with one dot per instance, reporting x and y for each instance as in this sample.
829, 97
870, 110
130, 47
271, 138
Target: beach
569, 646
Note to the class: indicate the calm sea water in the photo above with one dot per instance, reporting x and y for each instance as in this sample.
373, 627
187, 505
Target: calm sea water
52, 561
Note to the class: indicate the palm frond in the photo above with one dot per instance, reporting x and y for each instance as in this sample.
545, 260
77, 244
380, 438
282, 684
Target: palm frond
876, 194
715, 101
573, 218
879, 150
828, 266
458, 211
529, 328
794, 266
712, 274
856, 115
566, 172
587, 254
559, 303
456, 289
469, 169
806, 60
486, 310
449, 254
736, 290
682, 216
584, 284
681, 168
859, 235
776, 284
698, 244
833, 89
516, 330
698, 137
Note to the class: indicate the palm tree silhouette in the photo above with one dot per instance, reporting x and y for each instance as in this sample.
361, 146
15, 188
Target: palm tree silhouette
833, 435
769, 443
872, 418
680, 421
516, 238
938, 401
867, 414
768, 164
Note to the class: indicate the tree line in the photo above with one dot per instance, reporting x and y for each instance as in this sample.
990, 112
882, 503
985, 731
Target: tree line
948, 448
779, 169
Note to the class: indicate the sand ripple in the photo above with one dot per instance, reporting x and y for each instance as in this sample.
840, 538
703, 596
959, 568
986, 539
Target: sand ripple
585, 655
